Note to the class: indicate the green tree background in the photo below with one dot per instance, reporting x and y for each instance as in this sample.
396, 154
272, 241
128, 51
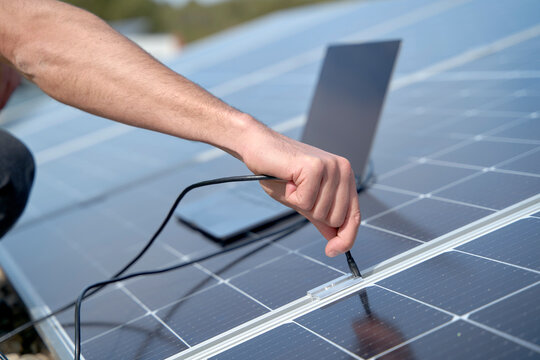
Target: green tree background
191, 21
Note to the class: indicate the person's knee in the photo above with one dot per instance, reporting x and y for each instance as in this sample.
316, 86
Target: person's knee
16, 176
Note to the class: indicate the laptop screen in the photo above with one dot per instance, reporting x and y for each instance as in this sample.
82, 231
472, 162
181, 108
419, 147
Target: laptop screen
349, 98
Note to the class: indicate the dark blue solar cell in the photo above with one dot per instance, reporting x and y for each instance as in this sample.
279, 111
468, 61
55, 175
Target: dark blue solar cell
529, 163
493, 190
243, 259
516, 315
143, 339
371, 247
428, 219
209, 313
425, 178
461, 340
375, 201
285, 342
102, 312
163, 289
485, 153
284, 280
372, 321
517, 243
458, 282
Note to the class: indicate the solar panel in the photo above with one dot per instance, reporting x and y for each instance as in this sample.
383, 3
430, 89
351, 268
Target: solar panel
457, 143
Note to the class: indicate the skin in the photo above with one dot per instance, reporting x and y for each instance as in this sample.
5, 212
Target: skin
78, 59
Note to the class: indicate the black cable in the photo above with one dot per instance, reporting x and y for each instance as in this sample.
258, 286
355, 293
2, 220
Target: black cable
279, 234
98, 287
31, 323
293, 227
352, 265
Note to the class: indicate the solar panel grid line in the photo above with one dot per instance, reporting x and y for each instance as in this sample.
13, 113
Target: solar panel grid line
505, 335
148, 312
70, 346
502, 298
393, 232
307, 57
373, 277
263, 39
396, 170
486, 75
407, 342
226, 279
69, 343
517, 157
452, 201
498, 261
511, 140
458, 112
464, 179
249, 80
236, 288
400, 234
351, 354
454, 316
232, 337
465, 317
307, 257
397, 207
460, 236
476, 167
487, 135
471, 55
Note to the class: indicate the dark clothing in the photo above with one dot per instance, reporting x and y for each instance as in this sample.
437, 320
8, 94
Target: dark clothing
16, 177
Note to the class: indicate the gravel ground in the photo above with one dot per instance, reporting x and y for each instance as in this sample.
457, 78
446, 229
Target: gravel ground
25, 346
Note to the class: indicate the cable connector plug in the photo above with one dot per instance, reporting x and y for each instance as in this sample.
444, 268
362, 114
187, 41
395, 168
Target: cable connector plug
352, 265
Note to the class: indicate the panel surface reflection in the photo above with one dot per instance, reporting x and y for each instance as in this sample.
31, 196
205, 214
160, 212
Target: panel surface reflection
372, 321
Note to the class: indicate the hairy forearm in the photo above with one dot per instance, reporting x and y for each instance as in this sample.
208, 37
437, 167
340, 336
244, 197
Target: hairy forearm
79, 60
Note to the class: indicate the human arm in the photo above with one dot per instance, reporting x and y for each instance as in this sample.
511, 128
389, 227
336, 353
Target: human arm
79, 60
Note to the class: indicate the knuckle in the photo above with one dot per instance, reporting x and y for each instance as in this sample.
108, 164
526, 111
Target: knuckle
306, 202
343, 162
356, 218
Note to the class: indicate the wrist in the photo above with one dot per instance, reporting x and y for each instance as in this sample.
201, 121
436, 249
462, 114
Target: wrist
242, 137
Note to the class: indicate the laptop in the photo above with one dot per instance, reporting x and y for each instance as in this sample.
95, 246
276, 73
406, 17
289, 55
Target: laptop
342, 119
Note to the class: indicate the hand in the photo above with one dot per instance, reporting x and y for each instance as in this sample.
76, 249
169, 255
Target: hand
320, 186
9, 80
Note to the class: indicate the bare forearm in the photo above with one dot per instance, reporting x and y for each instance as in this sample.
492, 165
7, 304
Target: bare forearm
78, 59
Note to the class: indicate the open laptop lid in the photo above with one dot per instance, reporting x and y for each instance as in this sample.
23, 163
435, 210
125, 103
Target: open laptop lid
349, 98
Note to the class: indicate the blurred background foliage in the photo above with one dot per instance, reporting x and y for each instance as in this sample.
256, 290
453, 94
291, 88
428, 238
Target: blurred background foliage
190, 21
